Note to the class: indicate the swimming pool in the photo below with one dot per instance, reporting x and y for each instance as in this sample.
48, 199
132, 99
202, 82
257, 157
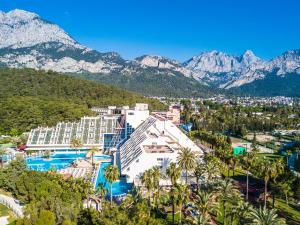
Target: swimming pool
62, 160
57, 161
119, 188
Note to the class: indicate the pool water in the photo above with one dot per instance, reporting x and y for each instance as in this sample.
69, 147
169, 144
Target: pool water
62, 160
57, 161
119, 188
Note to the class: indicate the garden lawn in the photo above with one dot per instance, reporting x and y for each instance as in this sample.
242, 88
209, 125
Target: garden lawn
290, 212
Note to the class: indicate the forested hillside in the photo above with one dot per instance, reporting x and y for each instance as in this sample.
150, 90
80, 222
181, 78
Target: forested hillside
272, 85
149, 83
29, 98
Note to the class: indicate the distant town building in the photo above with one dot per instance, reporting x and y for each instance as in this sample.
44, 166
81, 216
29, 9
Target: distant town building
173, 114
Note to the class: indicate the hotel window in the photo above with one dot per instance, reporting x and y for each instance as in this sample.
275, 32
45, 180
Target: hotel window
160, 159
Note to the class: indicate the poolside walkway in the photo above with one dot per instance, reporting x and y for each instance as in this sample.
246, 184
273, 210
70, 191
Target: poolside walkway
12, 204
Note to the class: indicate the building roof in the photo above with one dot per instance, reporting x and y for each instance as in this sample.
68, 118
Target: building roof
155, 135
90, 130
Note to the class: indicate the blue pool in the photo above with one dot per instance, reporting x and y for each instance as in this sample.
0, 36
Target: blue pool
62, 160
57, 161
119, 188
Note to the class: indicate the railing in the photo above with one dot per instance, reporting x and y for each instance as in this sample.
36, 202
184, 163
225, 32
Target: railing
11, 204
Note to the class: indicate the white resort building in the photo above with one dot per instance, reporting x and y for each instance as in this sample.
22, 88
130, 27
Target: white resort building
156, 142
103, 131
137, 139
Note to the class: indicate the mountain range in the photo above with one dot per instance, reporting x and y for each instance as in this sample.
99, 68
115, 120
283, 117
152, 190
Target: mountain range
29, 41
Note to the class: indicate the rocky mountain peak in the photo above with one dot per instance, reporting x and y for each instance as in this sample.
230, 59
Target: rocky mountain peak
19, 15
20, 28
156, 61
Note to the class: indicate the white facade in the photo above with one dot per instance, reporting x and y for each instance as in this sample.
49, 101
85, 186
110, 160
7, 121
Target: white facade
102, 131
156, 142
138, 115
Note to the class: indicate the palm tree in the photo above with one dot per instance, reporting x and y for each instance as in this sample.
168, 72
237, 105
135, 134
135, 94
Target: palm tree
147, 181
182, 197
76, 143
247, 160
174, 173
212, 168
156, 173
204, 202
199, 220
92, 151
186, 160
240, 212
265, 171
199, 172
226, 191
277, 169
173, 195
101, 191
286, 189
263, 216
111, 175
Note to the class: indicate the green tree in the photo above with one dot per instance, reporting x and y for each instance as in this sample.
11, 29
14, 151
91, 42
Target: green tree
286, 188
182, 197
174, 173
186, 160
76, 143
204, 202
199, 220
247, 161
263, 216
265, 170
148, 182
277, 169
68, 222
254, 143
199, 171
111, 175
156, 173
92, 152
45, 218
225, 193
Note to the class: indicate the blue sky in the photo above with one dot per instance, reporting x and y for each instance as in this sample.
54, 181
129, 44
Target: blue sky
173, 28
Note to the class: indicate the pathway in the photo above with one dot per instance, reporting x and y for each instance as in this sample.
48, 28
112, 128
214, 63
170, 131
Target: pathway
12, 204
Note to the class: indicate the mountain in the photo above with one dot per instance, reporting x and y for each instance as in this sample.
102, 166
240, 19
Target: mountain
218, 68
31, 98
248, 74
282, 66
29, 41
